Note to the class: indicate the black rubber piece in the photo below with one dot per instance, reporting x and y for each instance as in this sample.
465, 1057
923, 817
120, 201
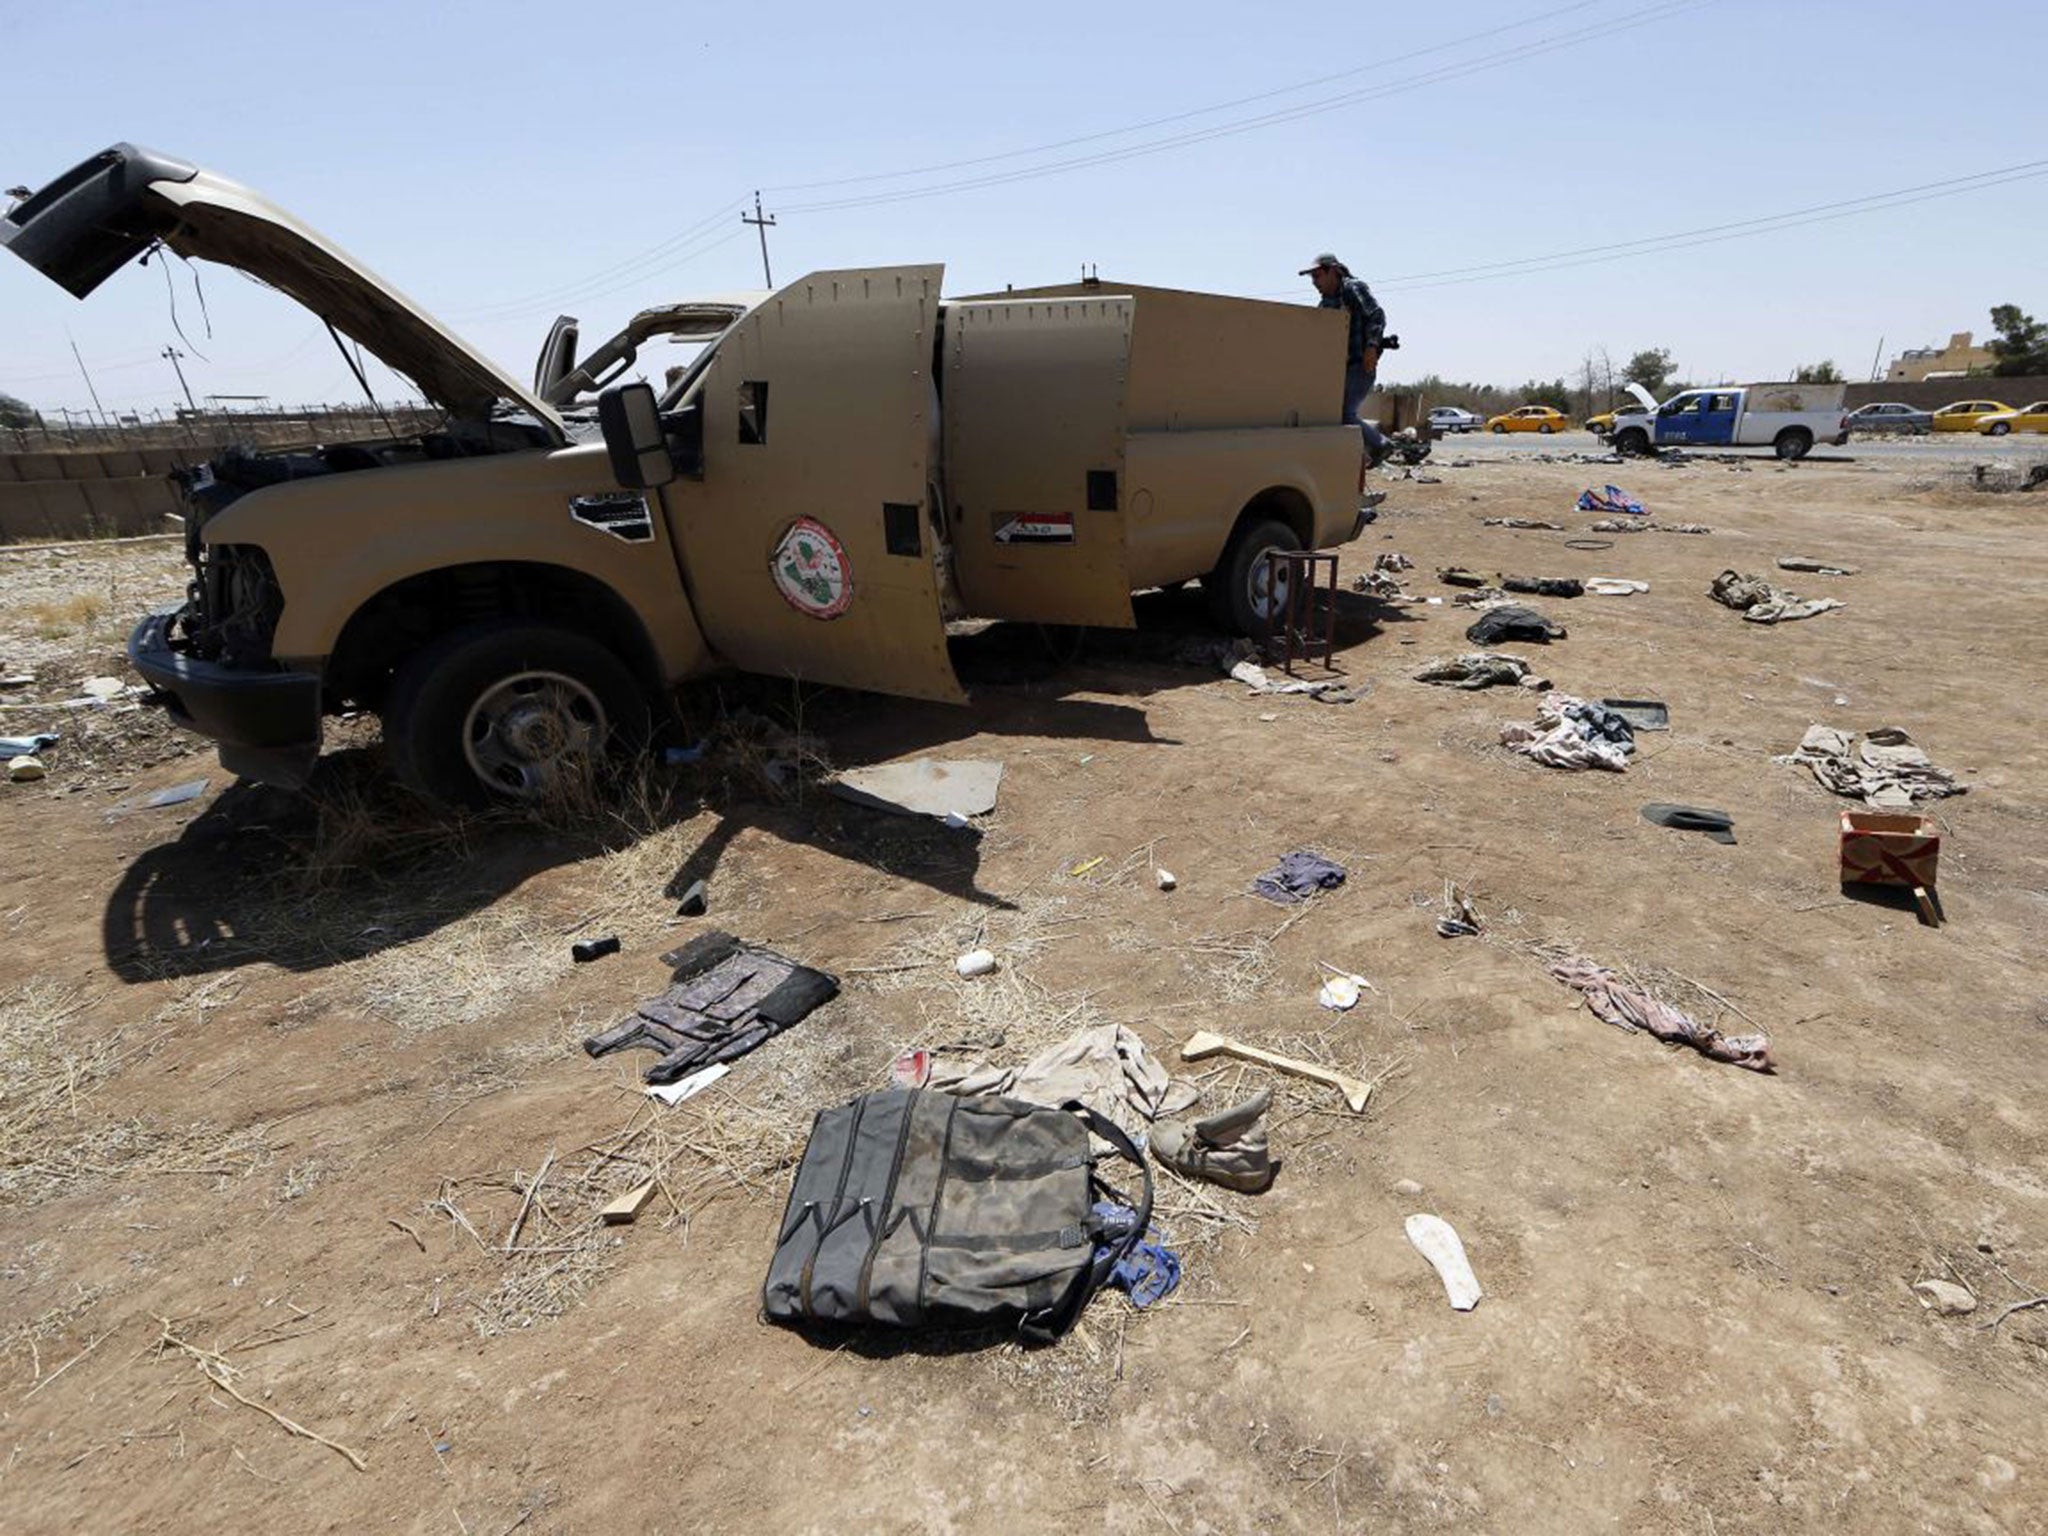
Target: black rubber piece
1718, 825
594, 949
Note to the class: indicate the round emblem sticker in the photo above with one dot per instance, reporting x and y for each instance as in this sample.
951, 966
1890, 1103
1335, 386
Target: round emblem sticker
811, 570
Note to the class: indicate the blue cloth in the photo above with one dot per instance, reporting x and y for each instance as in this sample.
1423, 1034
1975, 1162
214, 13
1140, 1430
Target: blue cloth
1614, 499
1150, 1271
1299, 876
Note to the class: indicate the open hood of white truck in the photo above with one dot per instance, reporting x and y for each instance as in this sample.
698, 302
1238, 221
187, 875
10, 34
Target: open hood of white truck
105, 212
1642, 395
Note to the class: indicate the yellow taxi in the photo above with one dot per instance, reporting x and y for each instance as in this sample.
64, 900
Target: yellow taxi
1967, 415
1602, 423
1530, 418
2028, 418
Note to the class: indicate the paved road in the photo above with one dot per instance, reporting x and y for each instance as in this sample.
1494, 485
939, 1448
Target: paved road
1934, 449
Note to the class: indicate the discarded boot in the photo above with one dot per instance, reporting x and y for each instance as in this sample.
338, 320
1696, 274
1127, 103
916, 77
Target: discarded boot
1227, 1148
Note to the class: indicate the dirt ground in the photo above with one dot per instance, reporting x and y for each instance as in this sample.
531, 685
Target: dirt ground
301, 1156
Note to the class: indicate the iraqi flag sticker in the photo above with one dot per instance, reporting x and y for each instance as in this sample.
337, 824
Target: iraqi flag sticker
811, 570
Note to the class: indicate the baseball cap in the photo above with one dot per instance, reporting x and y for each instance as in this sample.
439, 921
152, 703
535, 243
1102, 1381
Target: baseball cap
1327, 259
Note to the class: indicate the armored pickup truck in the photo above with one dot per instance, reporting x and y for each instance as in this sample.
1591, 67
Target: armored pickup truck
850, 463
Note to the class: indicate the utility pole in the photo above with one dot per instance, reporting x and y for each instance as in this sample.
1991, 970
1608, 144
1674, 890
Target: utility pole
87, 377
174, 354
1877, 362
762, 223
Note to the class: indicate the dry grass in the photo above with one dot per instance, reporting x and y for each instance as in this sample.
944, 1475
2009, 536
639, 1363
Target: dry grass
59, 618
53, 1134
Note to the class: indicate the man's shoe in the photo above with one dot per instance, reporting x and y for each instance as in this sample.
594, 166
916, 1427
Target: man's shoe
1227, 1148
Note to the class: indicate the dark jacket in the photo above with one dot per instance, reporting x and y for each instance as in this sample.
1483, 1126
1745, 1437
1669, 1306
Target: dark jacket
1368, 320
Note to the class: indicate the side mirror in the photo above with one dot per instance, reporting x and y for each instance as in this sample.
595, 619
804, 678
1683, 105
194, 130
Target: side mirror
633, 436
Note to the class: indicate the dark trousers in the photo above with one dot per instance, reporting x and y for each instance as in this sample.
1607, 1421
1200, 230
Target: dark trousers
1358, 382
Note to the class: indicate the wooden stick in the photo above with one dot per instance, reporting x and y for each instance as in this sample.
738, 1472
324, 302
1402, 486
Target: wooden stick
532, 1189
95, 1344
627, 1207
216, 1371
2017, 1306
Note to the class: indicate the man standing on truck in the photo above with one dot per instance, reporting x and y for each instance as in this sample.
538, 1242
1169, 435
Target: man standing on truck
1340, 290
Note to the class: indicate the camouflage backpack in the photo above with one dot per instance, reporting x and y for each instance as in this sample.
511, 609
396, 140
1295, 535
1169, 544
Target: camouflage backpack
915, 1209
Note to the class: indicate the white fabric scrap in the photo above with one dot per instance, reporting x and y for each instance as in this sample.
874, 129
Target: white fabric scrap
1555, 742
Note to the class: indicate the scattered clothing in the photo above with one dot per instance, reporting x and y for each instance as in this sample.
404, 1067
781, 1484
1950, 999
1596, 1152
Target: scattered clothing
1615, 525
1762, 603
1545, 586
1458, 576
1570, 733
1632, 1008
1609, 499
1106, 1067
727, 998
22, 746
1226, 1148
1144, 1271
1519, 522
1681, 528
1886, 772
1481, 598
1513, 622
1477, 669
1641, 714
1818, 567
1615, 586
1718, 825
1297, 877
1328, 691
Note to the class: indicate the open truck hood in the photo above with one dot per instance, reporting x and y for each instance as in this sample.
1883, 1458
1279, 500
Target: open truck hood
1643, 397
101, 214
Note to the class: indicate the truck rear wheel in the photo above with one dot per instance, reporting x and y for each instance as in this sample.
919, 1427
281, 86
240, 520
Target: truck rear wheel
1237, 587
1792, 443
509, 712
1631, 442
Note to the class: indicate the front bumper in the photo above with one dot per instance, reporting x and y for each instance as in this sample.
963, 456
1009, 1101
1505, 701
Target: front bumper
266, 724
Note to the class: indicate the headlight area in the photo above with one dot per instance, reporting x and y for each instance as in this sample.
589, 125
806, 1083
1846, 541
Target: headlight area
231, 613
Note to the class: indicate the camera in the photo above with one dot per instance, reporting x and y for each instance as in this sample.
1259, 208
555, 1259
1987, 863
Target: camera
1390, 343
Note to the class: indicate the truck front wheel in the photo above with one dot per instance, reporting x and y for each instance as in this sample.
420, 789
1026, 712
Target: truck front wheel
1632, 442
1237, 587
1792, 443
508, 712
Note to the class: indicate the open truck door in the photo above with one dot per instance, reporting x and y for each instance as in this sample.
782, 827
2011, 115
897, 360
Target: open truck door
808, 546
1035, 431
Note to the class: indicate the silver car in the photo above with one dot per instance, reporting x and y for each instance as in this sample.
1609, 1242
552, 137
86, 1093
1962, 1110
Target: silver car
1451, 418
1890, 416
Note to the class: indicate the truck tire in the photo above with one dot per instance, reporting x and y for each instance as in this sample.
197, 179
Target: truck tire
1631, 442
1792, 443
1998, 429
1237, 587
507, 712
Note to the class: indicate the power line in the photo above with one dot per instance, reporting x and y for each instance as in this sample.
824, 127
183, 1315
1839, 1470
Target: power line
1821, 213
1849, 205
1192, 112
1534, 49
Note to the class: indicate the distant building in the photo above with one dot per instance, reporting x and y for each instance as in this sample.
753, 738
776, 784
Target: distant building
1950, 362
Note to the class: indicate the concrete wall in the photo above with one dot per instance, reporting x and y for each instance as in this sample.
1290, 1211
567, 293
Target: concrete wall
1933, 394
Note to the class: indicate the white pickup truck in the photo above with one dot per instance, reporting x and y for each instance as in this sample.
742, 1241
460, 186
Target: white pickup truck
1787, 418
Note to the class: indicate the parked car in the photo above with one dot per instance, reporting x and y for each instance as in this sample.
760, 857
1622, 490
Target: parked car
1452, 418
1967, 415
2028, 418
1603, 422
1788, 418
1891, 416
1529, 418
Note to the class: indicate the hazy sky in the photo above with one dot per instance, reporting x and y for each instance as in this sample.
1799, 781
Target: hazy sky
504, 163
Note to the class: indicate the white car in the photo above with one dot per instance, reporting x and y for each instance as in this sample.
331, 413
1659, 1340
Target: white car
1451, 418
